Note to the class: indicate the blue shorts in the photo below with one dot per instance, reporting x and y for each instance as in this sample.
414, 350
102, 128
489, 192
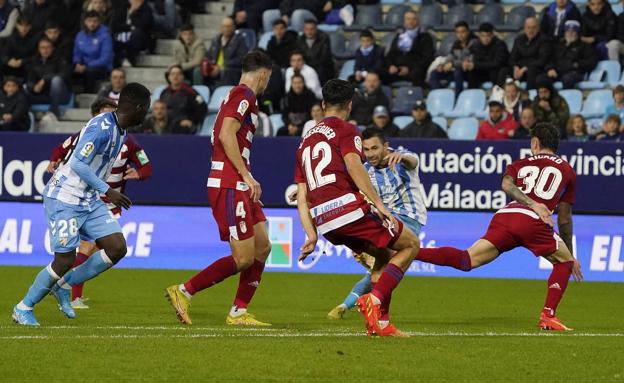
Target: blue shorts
69, 224
413, 225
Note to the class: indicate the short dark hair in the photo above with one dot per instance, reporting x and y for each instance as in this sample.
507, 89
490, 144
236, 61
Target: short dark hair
11, 79
100, 104
310, 21
298, 75
614, 118
338, 92
280, 22
547, 134
367, 33
374, 132
296, 52
134, 94
24, 19
187, 27
119, 69
90, 14
255, 60
486, 27
51, 24
45, 39
461, 24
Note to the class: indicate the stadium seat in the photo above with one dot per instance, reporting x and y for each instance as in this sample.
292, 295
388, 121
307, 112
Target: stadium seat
328, 27
446, 44
218, 96
299, 16
338, 45
441, 121
464, 129
515, 18
430, 15
469, 103
352, 45
208, 125
347, 70
263, 43
203, 91
402, 121
46, 107
490, 13
393, 18
415, 1
541, 2
510, 39
32, 126
405, 98
268, 17
156, 93
366, 16
513, 2
276, 122
392, 2
532, 94
440, 100
250, 37
460, 12
574, 98
606, 73
386, 42
596, 103
617, 8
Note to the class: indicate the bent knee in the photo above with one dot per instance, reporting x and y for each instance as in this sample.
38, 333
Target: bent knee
244, 263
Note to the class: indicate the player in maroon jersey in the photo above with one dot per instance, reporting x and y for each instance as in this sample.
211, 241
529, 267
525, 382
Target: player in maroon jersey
234, 195
131, 154
537, 184
330, 176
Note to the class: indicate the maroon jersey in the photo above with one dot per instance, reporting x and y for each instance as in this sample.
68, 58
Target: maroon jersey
545, 178
333, 197
240, 104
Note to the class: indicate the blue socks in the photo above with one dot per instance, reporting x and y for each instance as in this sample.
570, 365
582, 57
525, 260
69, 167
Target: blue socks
40, 287
362, 287
95, 265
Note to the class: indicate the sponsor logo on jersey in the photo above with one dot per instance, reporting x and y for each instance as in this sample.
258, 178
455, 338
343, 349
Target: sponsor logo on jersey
142, 157
87, 149
242, 107
243, 227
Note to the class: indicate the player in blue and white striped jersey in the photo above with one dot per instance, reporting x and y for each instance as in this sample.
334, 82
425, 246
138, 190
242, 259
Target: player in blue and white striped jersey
394, 174
74, 210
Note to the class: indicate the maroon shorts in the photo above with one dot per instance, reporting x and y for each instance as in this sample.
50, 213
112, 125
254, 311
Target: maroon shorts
235, 213
509, 230
365, 232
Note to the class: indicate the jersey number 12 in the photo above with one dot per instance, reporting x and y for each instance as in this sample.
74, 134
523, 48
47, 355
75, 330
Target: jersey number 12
316, 178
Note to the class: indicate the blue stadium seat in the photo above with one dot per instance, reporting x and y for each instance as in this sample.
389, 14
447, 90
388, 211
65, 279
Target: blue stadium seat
31, 122
617, 8
208, 125
439, 101
328, 27
299, 16
347, 69
574, 98
405, 98
156, 93
276, 122
516, 17
386, 41
218, 96
268, 17
509, 2
203, 91
464, 129
430, 15
337, 44
532, 94
393, 18
510, 39
392, 2
541, 1
250, 37
46, 107
460, 12
446, 44
596, 103
366, 16
402, 121
263, 43
606, 73
490, 13
441, 121
415, 1
469, 103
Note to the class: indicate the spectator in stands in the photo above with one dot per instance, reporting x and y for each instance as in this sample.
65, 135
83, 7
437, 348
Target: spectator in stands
422, 126
102, 105
514, 99
611, 130
281, 44
450, 68
316, 50
556, 15
317, 114
131, 27
618, 107
13, 106
572, 58
42, 11
112, 90
298, 65
550, 107
63, 44
158, 121
499, 125
368, 57
8, 18
381, 120
527, 122
598, 26
188, 52
93, 52
364, 102
226, 53
615, 47
18, 48
103, 7
577, 129
297, 104
410, 54
317, 7
489, 54
185, 107
248, 13
48, 78
530, 53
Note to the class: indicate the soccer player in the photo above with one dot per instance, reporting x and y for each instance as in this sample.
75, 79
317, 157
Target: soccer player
537, 184
234, 195
330, 176
74, 209
131, 153
394, 174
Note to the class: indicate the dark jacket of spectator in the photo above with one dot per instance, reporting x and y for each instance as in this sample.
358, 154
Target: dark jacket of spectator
95, 50
183, 104
8, 18
297, 107
280, 51
491, 57
370, 62
536, 52
17, 105
233, 53
619, 33
390, 130
578, 56
151, 126
423, 129
49, 10
419, 56
364, 103
63, 47
602, 26
254, 10
549, 19
39, 69
558, 114
287, 7
318, 56
460, 53
19, 47
142, 19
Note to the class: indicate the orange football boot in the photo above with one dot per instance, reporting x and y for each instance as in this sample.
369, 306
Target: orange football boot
552, 323
390, 330
371, 313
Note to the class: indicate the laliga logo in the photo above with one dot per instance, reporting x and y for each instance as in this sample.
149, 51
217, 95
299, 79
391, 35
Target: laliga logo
14, 170
324, 248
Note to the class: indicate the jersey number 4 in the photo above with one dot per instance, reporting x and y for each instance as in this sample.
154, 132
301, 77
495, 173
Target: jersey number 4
316, 178
543, 182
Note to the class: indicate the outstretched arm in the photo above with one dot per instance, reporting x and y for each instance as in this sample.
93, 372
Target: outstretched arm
306, 221
509, 187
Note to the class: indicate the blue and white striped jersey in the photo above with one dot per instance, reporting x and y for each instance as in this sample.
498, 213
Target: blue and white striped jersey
98, 146
400, 189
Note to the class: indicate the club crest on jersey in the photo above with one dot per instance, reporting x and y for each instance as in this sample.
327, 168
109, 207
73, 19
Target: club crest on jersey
358, 143
87, 149
243, 227
242, 107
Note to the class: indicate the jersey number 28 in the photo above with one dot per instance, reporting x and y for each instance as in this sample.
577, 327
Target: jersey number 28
543, 182
316, 178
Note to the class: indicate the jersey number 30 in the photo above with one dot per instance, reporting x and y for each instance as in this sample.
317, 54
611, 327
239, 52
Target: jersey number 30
316, 178
543, 182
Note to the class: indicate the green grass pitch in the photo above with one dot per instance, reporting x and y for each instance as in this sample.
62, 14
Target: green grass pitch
465, 330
